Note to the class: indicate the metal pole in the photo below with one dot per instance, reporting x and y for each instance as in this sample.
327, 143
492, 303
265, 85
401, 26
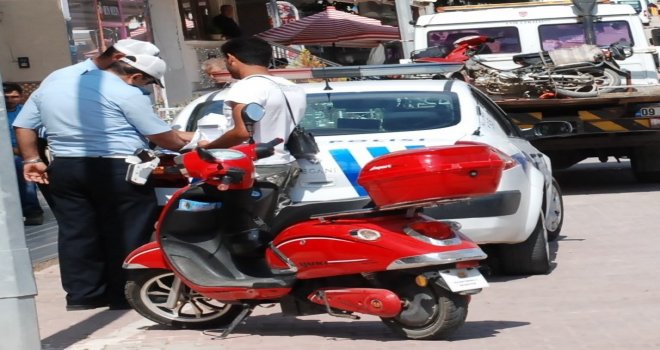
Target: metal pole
18, 323
275, 13
64, 6
404, 16
585, 9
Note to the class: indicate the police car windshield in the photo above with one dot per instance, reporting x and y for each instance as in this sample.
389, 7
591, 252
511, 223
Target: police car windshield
380, 111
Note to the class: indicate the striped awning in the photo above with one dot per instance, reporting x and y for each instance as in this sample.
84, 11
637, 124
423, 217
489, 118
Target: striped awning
332, 27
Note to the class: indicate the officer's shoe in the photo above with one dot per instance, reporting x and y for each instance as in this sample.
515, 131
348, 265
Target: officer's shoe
34, 219
85, 306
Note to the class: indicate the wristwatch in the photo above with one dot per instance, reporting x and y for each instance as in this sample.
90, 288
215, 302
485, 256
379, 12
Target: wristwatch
33, 161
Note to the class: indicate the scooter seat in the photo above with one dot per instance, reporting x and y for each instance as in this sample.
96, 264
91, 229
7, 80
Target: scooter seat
530, 59
295, 213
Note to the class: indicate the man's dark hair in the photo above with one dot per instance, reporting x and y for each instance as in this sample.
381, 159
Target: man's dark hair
109, 52
252, 50
10, 87
225, 8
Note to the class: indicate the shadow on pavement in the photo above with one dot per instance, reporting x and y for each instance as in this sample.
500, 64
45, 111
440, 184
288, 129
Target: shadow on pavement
484, 329
81, 330
279, 325
595, 177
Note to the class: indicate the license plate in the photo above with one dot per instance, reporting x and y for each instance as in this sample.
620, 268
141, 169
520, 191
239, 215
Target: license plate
649, 112
459, 280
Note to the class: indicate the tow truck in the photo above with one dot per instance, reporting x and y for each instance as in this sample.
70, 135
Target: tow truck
613, 124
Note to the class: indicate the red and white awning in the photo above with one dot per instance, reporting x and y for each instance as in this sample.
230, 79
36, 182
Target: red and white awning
332, 27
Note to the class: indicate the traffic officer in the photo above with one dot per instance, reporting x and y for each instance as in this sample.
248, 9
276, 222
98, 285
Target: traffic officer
94, 122
114, 53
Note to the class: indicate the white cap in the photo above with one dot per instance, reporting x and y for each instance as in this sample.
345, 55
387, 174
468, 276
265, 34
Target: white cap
151, 65
136, 47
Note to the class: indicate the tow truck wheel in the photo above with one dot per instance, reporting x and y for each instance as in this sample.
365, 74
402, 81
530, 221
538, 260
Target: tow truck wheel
428, 312
147, 291
531, 257
645, 164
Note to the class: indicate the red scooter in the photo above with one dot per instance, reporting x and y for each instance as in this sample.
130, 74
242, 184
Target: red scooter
221, 251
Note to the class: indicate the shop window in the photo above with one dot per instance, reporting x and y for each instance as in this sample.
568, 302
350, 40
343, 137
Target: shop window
97, 24
195, 19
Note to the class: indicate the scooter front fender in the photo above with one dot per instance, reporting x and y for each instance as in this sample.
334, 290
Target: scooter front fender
148, 256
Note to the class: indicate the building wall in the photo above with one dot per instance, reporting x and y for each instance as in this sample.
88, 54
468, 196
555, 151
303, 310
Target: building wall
33, 29
169, 38
183, 57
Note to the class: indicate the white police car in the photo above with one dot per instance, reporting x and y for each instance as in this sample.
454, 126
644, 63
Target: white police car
356, 121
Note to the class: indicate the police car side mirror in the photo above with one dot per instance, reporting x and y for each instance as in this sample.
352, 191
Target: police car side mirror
548, 128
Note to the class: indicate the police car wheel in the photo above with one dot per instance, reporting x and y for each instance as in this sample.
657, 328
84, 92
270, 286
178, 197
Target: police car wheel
531, 257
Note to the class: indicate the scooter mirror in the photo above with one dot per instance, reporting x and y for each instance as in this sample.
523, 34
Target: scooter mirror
253, 112
205, 155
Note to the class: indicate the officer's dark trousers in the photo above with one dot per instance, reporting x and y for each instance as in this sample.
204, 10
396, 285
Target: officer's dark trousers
101, 219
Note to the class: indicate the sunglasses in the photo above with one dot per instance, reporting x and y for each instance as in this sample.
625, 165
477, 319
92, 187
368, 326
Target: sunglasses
149, 79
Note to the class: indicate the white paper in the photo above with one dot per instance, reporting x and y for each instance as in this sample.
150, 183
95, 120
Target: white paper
209, 128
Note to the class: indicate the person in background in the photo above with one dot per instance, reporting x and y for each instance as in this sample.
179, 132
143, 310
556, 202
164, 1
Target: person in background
95, 121
216, 70
248, 59
225, 23
32, 212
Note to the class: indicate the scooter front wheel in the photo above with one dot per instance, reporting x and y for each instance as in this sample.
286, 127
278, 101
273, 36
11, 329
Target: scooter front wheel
429, 313
147, 291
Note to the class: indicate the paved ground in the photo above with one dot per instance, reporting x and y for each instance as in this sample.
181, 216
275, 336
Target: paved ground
602, 293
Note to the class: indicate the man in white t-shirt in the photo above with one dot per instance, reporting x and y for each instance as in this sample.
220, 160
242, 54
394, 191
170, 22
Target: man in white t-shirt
247, 59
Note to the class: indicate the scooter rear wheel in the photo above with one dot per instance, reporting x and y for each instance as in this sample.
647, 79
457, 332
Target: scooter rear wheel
147, 292
429, 313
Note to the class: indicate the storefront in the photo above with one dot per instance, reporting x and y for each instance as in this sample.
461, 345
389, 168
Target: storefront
97, 24
55, 33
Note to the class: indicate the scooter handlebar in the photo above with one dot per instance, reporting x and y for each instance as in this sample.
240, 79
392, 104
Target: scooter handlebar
265, 150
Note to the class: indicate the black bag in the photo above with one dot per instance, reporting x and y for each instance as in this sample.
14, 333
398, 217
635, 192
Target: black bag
302, 144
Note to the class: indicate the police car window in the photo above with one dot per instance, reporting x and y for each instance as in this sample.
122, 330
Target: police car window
561, 36
378, 112
506, 39
492, 110
211, 109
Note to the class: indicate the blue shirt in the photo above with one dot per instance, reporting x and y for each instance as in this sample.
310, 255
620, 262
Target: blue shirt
11, 116
70, 71
66, 72
94, 114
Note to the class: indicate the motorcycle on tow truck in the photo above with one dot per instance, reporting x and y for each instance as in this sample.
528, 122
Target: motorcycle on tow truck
220, 251
580, 71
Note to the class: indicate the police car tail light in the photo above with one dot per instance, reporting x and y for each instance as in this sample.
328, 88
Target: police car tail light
433, 229
508, 161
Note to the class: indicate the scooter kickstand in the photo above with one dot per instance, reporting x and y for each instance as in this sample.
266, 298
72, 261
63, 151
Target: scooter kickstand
247, 310
323, 297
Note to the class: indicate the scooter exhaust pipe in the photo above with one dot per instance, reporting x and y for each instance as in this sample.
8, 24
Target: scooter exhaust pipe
370, 301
